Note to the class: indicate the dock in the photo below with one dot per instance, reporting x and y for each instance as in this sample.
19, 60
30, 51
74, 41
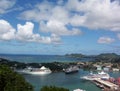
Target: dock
106, 85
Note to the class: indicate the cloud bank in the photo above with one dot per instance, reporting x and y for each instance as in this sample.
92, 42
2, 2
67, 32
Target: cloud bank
63, 19
93, 14
105, 40
5, 5
24, 33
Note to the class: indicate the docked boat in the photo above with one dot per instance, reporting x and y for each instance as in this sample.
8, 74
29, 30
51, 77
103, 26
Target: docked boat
72, 69
79, 90
36, 71
99, 75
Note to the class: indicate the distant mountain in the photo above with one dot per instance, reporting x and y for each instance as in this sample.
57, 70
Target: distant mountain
75, 55
105, 57
108, 57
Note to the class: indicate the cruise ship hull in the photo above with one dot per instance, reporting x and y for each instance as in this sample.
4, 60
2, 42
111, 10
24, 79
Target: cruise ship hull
72, 69
70, 72
36, 73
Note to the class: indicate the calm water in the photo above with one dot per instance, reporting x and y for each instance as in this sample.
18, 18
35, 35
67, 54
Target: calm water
38, 58
42, 58
71, 81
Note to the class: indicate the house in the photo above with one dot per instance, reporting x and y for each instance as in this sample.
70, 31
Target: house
99, 68
115, 69
106, 69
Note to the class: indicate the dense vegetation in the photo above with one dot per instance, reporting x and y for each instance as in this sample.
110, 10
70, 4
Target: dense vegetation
54, 66
12, 81
108, 57
53, 88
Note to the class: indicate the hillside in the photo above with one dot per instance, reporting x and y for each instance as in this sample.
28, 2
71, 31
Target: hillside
106, 57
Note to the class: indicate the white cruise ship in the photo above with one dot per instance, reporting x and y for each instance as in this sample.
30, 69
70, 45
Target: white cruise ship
79, 90
36, 71
99, 75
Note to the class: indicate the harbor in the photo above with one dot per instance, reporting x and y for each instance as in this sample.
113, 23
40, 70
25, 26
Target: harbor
106, 85
103, 72
104, 81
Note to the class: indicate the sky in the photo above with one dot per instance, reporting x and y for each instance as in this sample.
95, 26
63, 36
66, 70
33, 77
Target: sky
58, 27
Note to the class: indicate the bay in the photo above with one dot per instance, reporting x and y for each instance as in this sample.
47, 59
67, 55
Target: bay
60, 79
71, 81
42, 58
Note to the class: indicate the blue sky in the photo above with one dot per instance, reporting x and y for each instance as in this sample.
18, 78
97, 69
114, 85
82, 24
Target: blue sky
59, 26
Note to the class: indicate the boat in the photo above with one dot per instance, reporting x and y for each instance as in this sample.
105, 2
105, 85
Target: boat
71, 69
79, 90
36, 71
100, 75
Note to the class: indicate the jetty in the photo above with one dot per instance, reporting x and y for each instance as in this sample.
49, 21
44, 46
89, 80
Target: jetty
106, 85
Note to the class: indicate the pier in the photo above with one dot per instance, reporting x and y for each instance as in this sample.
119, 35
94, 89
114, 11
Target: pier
106, 85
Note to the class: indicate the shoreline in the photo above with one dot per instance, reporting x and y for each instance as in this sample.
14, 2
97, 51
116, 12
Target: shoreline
59, 66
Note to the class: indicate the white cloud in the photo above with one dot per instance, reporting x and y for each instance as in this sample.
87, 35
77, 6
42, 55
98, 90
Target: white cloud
118, 35
59, 13
55, 39
93, 14
5, 5
58, 28
41, 11
96, 14
60, 2
52, 19
7, 32
25, 33
57, 23
105, 40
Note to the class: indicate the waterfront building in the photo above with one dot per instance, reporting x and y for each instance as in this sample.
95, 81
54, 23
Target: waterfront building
99, 68
115, 69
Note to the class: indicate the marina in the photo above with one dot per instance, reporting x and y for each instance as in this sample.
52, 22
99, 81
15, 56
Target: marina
93, 81
102, 80
106, 85
60, 79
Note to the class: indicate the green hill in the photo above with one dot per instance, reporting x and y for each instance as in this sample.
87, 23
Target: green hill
12, 81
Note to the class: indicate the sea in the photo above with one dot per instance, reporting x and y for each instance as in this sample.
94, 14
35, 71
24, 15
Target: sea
60, 79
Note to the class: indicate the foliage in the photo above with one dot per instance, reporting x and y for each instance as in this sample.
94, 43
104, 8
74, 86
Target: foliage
12, 81
53, 88
108, 57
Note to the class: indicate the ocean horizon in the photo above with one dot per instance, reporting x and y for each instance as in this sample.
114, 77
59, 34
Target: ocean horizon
30, 58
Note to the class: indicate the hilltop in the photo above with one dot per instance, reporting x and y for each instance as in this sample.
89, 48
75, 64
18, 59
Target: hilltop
106, 57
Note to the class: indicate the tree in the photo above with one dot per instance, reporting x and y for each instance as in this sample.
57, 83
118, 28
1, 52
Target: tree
53, 88
12, 81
